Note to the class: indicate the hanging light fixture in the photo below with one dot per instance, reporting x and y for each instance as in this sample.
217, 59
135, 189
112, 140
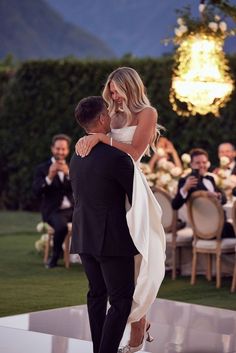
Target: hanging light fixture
201, 82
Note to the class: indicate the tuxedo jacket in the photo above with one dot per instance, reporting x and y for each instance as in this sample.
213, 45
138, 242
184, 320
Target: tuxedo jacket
178, 200
100, 183
51, 195
233, 172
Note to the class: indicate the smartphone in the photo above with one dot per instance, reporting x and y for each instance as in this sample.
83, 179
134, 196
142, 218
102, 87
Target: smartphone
195, 173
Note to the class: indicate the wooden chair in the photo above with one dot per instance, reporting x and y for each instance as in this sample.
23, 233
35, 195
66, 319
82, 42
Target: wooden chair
66, 245
233, 285
206, 216
175, 239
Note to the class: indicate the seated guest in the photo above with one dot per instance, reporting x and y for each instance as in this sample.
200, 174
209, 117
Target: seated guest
165, 149
52, 184
227, 149
199, 180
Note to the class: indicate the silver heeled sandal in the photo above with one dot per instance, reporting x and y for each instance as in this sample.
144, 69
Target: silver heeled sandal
130, 349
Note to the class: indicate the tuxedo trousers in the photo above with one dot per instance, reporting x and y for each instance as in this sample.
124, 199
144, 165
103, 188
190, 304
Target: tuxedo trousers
110, 278
58, 220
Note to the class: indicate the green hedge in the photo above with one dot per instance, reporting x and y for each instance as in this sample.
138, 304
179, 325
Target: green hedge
39, 102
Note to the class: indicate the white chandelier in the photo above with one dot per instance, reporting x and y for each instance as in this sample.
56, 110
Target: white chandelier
201, 82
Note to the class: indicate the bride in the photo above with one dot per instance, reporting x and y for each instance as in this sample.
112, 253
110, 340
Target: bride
133, 130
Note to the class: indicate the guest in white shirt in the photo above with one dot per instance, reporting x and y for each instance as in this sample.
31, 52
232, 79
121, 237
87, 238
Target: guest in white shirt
227, 149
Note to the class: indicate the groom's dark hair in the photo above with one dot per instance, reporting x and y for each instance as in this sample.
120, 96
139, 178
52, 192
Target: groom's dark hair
88, 110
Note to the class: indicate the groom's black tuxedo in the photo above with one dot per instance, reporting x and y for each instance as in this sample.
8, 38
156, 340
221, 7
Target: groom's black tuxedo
100, 183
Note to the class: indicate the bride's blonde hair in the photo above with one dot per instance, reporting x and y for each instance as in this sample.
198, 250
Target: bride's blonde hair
131, 88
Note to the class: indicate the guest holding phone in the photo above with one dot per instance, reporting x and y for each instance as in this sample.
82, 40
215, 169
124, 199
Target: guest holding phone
199, 180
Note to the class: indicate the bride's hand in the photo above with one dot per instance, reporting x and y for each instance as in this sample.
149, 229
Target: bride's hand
85, 144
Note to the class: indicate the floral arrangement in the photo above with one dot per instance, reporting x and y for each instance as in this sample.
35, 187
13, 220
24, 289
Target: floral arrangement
223, 179
210, 23
167, 174
41, 242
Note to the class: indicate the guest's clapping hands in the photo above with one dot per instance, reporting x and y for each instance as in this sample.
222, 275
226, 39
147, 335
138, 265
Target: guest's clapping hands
52, 171
85, 144
62, 167
56, 167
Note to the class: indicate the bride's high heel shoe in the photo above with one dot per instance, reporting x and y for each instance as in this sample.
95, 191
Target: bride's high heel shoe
130, 349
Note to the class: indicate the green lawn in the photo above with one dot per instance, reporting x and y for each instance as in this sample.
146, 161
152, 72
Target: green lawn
25, 285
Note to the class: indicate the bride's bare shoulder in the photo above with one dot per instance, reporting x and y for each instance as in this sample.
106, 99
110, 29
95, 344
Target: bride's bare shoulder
148, 112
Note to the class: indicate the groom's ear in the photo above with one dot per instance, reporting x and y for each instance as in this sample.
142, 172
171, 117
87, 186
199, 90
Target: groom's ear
102, 118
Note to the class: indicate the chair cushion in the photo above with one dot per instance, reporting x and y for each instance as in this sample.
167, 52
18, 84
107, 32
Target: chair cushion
185, 232
226, 243
184, 235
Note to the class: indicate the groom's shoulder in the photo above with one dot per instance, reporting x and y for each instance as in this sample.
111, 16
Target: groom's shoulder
109, 151
110, 156
102, 153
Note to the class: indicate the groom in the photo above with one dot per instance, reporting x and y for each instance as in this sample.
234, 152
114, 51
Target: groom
100, 233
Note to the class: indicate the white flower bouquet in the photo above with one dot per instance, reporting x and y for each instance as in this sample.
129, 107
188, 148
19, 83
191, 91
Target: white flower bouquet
40, 244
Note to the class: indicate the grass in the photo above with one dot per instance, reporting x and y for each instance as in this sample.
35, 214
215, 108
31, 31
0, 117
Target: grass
26, 286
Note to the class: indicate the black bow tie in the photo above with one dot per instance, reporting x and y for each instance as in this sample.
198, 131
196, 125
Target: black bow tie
202, 177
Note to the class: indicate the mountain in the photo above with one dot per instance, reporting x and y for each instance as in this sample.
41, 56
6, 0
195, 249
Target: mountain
31, 29
130, 26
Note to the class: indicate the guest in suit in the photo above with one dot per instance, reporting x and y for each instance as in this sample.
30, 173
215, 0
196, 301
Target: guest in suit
199, 180
52, 184
100, 233
227, 149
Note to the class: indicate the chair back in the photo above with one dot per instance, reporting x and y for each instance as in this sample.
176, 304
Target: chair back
206, 215
169, 216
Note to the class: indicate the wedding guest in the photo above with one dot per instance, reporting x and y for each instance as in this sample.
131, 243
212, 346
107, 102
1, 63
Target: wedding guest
199, 180
227, 149
52, 184
165, 149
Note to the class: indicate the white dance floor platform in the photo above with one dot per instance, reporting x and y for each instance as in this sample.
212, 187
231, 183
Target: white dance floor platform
177, 328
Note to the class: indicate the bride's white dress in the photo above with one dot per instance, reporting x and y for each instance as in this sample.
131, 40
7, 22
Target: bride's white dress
144, 222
